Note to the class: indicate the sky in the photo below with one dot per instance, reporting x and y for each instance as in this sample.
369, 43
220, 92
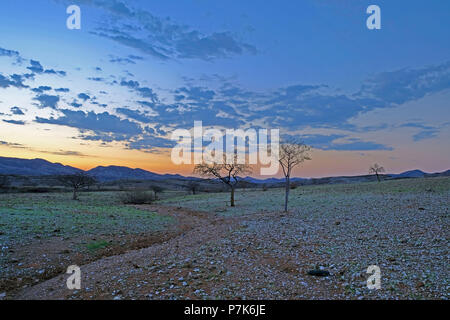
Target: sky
112, 92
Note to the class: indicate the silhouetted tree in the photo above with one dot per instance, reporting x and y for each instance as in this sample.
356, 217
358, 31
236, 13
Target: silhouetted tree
376, 169
76, 181
4, 182
227, 173
292, 153
156, 190
193, 186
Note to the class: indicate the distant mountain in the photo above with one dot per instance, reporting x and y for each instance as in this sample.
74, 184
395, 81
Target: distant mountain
409, 174
438, 174
111, 173
117, 173
33, 167
40, 167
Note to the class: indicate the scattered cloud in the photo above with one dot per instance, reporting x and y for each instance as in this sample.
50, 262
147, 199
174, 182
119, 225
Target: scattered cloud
18, 122
37, 68
17, 111
46, 100
408, 84
426, 134
103, 124
163, 38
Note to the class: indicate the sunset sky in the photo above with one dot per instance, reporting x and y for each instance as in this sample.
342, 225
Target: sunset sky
112, 92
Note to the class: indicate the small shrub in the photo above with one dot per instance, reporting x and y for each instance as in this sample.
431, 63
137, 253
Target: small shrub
97, 245
293, 186
137, 197
264, 187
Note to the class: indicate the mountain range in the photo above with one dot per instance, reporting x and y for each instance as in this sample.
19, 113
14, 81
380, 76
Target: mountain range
41, 167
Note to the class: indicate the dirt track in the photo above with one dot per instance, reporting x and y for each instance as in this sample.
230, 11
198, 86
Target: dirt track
103, 278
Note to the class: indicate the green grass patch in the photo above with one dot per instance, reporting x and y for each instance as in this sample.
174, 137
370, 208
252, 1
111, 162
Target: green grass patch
97, 245
24, 217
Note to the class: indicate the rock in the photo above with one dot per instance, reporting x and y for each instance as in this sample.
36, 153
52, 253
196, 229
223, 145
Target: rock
319, 273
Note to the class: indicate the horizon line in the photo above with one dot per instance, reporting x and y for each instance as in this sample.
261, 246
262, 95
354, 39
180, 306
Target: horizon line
259, 178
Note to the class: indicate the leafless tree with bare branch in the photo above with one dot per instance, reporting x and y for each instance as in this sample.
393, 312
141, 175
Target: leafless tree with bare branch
76, 181
193, 186
376, 169
228, 173
292, 154
4, 182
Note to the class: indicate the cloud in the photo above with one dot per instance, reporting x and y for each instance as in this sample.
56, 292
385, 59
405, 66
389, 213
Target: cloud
130, 84
36, 67
75, 104
328, 142
41, 89
144, 92
84, 96
46, 100
135, 115
408, 84
14, 80
98, 79
415, 125
163, 38
17, 111
360, 146
63, 153
12, 145
65, 90
18, 122
11, 53
195, 93
130, 59
426, 134
150, 142
105, 126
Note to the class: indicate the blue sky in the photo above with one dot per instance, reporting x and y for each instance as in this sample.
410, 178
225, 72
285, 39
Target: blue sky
139, 69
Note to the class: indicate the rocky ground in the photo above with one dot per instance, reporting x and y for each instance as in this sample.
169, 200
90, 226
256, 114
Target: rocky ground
401, 227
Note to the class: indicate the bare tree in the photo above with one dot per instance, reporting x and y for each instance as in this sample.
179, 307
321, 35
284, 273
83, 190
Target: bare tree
292, 154
228, 173
376, 169
4, 182
193, 186
156, 190
76, 181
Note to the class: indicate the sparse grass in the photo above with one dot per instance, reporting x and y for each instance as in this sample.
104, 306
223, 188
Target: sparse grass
313, 198
96, 245
24, 217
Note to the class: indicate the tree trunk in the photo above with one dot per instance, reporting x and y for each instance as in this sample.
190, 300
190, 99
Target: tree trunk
287, 194
232, 196
74, 197
378, 178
